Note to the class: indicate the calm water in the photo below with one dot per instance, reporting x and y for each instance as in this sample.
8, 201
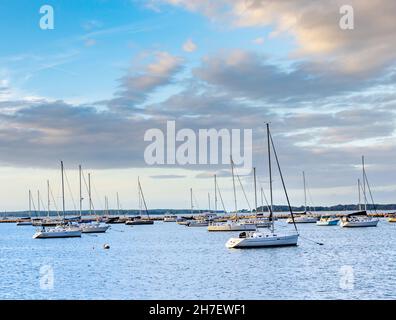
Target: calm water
169, 261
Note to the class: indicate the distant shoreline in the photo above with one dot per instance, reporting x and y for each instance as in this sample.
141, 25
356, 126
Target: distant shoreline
277, 208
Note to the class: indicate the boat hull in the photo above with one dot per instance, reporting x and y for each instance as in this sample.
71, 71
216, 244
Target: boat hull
94, 229
328, 223
24, 223
231, 227
197, 224
269, 241
392, 220
302, 220
57, 234
138, 222
359, 224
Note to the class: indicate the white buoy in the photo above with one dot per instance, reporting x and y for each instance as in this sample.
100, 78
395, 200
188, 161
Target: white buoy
106, 246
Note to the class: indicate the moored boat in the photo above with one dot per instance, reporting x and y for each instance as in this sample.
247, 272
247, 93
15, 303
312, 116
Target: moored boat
358, 220
328, 220
269, 238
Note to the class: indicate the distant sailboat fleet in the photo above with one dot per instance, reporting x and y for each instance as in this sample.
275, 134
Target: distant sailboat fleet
246, 223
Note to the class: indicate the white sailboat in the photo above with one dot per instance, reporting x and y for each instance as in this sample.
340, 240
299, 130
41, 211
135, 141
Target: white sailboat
61, 231
235, 224
199, 221
360, 219
142, 202
303, 217
27, 221
91, 227
270, 238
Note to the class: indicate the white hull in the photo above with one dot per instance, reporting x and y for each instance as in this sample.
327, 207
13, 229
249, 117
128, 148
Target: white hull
302, 220
197, 224
169, 219
231, 227
94, 229
262, 240
61, 233
359, 224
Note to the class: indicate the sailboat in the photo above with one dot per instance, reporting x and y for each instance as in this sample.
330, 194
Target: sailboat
139, 220
27, 221
360, 219
235, 224
303, 217
60, 231
91, 227
271, 238
199, 221
259, 222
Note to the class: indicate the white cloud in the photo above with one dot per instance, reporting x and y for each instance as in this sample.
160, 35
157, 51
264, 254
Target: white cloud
189, 46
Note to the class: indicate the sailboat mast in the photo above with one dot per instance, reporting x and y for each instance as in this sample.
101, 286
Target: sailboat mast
191, 201
270, 177
215, 204
233, 184
305, 193
118, 204
360, 200
209, 200
89, 194
255, 189
81, 198
48, 198
63, 192
38, 202
364, 185
30, 203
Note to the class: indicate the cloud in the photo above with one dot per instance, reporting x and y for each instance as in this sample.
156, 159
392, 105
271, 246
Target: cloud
370, 46
189, 46
143, 80
252, 76
258, 41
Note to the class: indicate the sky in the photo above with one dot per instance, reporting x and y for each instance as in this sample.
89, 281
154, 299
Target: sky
87, 91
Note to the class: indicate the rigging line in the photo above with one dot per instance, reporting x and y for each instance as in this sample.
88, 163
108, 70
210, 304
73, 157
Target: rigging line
265, 198
283, 181
310, 198
221, 198
71, 193
365, 197
371, 195
144, 201
196, 202
53, 199
244, 193
97, 194
87, 189
319, 243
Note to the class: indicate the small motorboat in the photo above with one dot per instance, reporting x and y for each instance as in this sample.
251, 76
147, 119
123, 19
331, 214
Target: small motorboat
197, 223
93, 227
24, 222
138, 221
303, 218
170, 218
328, 220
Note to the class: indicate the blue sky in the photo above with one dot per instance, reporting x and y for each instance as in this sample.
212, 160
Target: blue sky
86, 92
